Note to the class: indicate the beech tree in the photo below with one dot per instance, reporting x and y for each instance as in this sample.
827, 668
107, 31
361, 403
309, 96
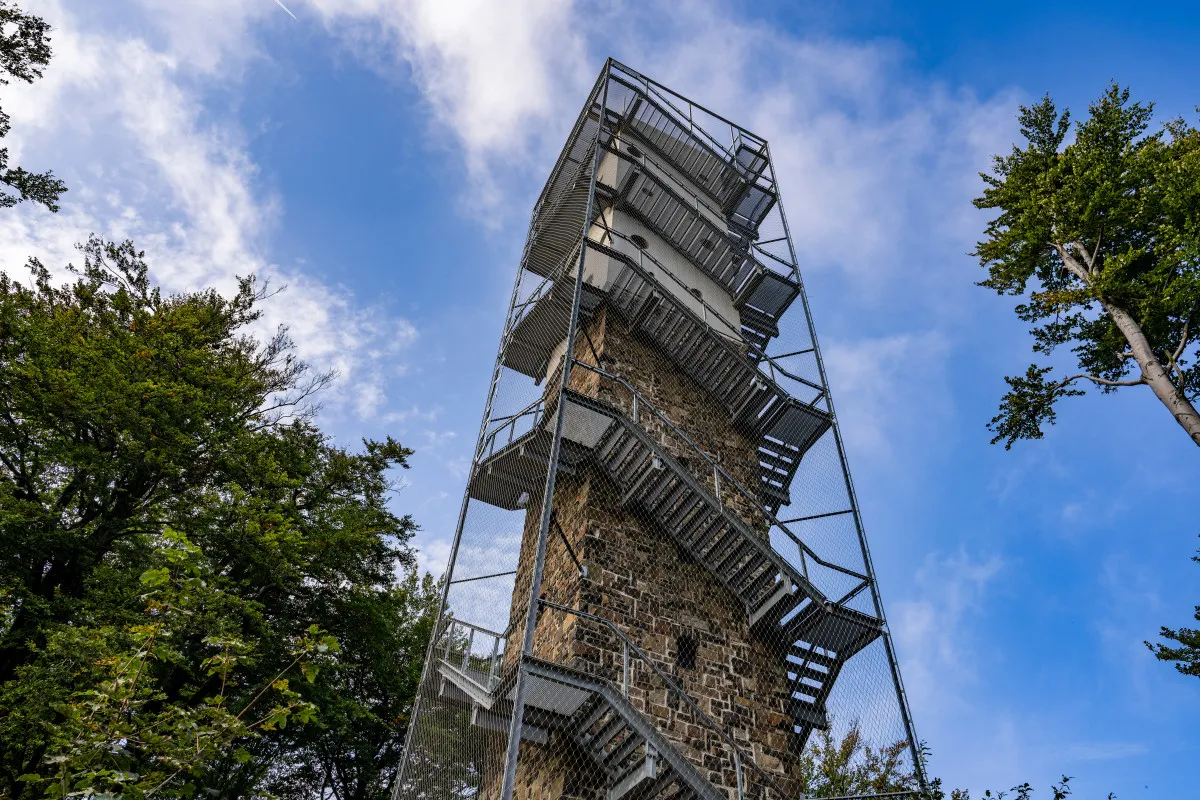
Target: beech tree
1100, 240
200, 593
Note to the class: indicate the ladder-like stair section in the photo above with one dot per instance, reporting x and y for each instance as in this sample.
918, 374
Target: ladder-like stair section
637, 762
813, 636
763, 295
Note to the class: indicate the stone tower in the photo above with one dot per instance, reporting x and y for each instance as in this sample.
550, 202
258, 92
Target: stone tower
659, 585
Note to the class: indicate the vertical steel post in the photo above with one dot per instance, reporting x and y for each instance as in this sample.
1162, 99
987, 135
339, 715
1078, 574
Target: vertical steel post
535, 584
625, 669
901, 696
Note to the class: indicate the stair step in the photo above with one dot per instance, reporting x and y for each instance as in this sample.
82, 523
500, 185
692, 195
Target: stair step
741, 578
599, 710
799, 655
776, 605
806, 714
606, 734
733, 556
620, 754
761, 583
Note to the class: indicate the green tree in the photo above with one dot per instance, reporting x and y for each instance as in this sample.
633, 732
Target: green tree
1025, 791
135, 427
352, 750
837, 768
1186, 656
24, 54
1100, 237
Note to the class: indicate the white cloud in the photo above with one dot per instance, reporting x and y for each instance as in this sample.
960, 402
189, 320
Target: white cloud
495, 75
888, 387
933, 630
122, 123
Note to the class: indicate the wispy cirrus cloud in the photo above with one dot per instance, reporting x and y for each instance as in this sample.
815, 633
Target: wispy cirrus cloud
933, 629
123, 122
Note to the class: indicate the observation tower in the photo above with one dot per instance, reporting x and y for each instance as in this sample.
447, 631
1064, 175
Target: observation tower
659, 586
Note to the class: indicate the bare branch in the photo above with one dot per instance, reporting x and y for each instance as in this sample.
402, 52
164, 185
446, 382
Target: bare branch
1071, 263
1183, 337
1100, 381
1089, 258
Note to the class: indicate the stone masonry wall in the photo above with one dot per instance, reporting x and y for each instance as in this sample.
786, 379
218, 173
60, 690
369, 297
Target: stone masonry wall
642, 581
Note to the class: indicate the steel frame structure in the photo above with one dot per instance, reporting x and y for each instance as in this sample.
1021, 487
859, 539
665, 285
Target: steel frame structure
496, 686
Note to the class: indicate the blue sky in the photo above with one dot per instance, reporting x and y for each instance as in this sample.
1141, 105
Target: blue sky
379, 157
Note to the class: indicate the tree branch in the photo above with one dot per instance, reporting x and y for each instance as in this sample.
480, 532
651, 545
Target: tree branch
1071, 263
1183, 337
1100, 381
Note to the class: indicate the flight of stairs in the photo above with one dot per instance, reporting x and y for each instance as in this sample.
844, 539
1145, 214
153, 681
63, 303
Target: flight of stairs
636, 762
812, 636
783, 426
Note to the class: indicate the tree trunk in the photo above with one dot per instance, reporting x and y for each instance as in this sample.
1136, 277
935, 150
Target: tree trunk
1155, 374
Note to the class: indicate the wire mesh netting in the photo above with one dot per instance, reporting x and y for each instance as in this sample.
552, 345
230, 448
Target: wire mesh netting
659, 586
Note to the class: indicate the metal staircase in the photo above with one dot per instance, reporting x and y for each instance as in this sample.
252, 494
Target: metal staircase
760, 293
734, 177
633, 758
784, 427
813, 636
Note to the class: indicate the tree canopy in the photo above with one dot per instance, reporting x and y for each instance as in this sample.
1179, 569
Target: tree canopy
191, 565
1100, 238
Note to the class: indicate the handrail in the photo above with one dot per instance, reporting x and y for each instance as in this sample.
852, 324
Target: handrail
480, 628
760, 354
718, 469
492, 661
489, 441
659, 91
628, 645
663, 177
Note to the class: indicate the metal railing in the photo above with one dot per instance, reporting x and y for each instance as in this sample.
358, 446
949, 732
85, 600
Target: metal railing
469, 661
721, 477
677, 187
630, 251
629, 652
515, 425
669, 102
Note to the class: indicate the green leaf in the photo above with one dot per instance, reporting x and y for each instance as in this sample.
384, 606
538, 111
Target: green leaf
156, 577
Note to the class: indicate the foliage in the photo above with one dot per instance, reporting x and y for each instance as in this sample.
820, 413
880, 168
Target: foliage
174, 526
1025, 791
120, 737
1187, 655
831, 768
24, 53
1101, 239
353, 749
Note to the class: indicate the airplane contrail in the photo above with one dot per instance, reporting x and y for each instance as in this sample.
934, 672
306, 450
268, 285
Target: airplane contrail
285, 8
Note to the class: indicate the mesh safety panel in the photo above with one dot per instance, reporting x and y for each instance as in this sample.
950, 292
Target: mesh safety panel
660, 586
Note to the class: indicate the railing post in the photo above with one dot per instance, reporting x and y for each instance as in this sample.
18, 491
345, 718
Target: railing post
717, 483
625, 669
467, 653
737, 767
495, 661
449, 638
635, 408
